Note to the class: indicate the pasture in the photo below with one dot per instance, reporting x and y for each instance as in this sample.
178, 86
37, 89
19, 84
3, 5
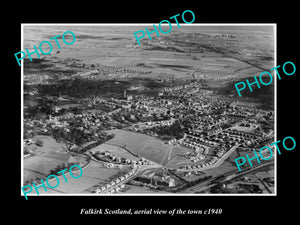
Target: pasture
93, 175
47, 158
141, 145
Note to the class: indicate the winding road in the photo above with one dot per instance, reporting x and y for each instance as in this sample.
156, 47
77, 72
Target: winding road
218, 163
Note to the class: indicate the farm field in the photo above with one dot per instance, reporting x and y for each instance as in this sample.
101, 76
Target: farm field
145, 146
223, 168
178, 54
49, 144
92, 175
37, 167
47, 158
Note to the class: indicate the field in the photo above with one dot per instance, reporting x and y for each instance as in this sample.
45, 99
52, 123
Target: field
47, 158
180, 53
145, 146
37, 167
92, 175
49, 144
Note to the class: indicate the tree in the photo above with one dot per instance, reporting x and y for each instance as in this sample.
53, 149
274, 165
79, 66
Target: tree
39, 143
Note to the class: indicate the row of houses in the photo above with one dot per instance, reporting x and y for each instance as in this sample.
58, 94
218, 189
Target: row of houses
113, 190
115, 161
242, 133
197, 147
193, 142
116, 181
194, 167
220, 152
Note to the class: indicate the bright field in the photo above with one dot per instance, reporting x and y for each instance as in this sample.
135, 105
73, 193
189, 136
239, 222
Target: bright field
150, 148
92, 175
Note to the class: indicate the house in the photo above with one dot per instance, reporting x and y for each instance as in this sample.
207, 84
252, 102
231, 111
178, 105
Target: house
109, 165
102, 188
118, 159
172, 182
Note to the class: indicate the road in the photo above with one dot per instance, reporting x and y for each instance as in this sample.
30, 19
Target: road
218, 163
139, 169
108, 190
202, 186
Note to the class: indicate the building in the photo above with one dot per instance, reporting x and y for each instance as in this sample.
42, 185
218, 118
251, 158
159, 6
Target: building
172, 182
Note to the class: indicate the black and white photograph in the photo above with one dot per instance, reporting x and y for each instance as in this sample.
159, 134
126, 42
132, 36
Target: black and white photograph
132, 112
162, 117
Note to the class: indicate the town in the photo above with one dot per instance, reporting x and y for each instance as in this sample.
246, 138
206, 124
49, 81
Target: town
206, 128
158, 118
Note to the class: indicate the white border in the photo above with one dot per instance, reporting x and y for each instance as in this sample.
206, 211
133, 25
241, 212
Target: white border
274, 25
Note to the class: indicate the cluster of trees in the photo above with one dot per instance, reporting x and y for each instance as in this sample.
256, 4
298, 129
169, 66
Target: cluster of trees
79, 137
241, 188
59, 167
39, 143
84, 88
249, 188
175, 130
35, 64
47, 107
264, 96
42, 109
98, 142
151, 181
